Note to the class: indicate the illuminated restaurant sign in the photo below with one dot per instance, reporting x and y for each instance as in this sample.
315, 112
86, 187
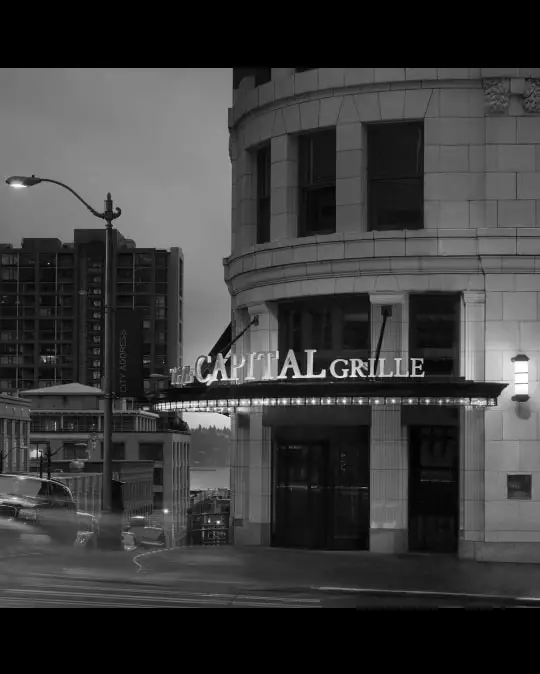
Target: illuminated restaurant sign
341, 368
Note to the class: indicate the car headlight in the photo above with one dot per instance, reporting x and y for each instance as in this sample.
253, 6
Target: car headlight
28, 514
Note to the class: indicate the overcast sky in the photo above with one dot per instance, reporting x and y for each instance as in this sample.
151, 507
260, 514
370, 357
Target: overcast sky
157, 139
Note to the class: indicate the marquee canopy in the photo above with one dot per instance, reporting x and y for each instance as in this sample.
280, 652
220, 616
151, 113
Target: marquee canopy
225, 397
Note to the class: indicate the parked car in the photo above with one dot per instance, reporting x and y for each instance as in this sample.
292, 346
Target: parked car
41, 510
139, 533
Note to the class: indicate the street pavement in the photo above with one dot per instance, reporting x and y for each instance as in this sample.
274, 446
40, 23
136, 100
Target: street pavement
48, 591
340, 572
254, 577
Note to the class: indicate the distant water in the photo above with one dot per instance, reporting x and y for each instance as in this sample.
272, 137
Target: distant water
210, 478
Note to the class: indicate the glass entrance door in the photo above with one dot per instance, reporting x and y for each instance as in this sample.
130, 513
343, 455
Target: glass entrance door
433, 488
321, 489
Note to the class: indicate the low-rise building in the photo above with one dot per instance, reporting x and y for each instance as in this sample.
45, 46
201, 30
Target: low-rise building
85, 488
68, 421
14, 433
136, 478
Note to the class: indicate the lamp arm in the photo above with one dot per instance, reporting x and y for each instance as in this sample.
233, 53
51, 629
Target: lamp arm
103, 216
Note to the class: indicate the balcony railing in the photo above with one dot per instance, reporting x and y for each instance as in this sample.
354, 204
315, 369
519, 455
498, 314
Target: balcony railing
72, 428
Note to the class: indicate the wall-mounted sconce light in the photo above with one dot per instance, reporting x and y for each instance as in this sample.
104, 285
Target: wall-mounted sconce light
521, 378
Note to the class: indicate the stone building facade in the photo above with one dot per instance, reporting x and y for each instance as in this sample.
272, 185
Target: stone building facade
418, 189
14, 433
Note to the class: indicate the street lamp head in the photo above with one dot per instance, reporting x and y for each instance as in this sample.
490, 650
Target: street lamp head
22, 181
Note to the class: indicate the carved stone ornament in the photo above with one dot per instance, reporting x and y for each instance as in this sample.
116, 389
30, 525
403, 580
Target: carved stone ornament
531, 97
496, 95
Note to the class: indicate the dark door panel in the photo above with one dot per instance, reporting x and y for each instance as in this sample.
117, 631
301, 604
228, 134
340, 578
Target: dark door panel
433, 488
321, 489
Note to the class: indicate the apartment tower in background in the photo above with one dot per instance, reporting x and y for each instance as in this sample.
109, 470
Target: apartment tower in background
52, 314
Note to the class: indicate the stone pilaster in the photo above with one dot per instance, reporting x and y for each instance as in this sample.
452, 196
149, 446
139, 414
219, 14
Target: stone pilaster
473, 338
350, 170
472, 427
246, 200
472, 480
253, 481
284, 187
388, 457
257, 523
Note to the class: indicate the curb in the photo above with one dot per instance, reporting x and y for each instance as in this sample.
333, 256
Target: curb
147, 554
495, 598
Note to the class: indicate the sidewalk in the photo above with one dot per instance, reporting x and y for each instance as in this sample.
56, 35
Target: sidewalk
272, 568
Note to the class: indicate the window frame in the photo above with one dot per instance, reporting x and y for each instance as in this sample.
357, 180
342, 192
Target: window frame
302, 311
454, 352
309, 185
263, 161
416, 179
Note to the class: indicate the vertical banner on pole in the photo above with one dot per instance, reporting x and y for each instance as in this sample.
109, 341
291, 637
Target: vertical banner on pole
128, 354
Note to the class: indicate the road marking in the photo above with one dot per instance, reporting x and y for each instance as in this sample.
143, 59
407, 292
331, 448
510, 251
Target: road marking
425, 593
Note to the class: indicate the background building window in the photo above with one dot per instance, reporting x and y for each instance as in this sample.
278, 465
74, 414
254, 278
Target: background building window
118, 451
151, 451
263, 194
396, 175
317, 183
434, 321
73, 453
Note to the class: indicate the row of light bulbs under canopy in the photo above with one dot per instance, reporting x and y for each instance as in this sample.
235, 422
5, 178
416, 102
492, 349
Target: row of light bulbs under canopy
231, 404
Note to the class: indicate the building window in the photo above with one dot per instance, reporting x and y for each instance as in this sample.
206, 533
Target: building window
317, 183
123, 423
158, 477
334, 327
125, 260
161, 260
151, 451
144, 259
263, 194
434, 322
303, 70
118, 451
158, 500
72, 452
8, 274
395, 175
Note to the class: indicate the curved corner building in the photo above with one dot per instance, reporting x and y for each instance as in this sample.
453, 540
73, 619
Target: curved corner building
408, 197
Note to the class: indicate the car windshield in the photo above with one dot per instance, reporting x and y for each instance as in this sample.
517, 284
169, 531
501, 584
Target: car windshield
22, 486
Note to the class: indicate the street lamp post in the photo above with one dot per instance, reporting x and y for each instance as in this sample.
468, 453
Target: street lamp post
108, 215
